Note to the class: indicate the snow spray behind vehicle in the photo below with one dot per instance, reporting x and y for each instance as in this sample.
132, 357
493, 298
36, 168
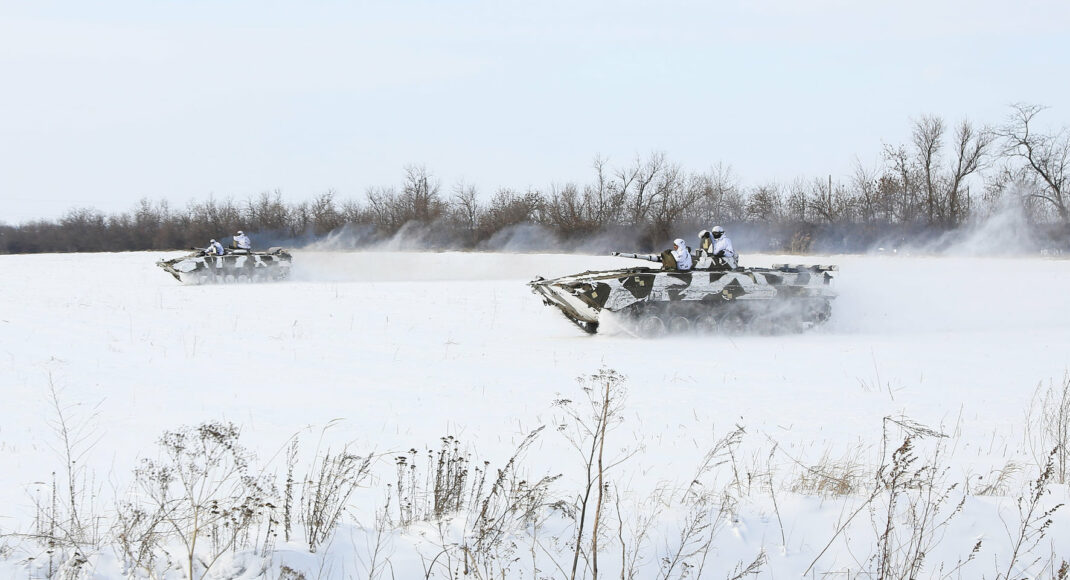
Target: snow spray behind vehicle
203, 267
784, 298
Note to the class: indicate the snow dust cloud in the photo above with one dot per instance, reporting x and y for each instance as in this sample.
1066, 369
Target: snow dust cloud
1006, 231
413, 236
516, 252
941, 294
988, 276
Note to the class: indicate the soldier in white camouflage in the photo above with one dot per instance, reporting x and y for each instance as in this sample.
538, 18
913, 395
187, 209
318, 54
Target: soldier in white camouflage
715, 249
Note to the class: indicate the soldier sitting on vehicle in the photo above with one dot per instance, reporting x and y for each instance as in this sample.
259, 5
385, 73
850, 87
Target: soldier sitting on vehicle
715, 251
678, 258
241, 241
703, 257
722, 248
214, 249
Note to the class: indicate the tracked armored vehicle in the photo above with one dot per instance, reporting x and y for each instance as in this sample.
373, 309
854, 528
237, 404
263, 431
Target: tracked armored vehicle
201, 267
651, 302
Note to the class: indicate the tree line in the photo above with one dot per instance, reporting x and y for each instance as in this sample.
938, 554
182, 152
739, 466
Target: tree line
942, 179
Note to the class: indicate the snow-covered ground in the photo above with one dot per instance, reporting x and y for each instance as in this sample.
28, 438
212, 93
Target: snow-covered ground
395, 350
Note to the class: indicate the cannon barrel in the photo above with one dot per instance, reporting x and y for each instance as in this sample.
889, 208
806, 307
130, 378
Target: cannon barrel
647, 257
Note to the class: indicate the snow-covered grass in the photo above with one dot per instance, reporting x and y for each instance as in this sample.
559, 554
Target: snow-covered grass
381, 353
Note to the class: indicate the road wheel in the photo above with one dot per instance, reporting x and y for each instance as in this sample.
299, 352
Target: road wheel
706, 324
766, 325
733, 322
679, 325
651, 326
822, 312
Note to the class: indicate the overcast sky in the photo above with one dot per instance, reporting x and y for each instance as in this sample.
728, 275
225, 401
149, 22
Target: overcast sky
103, 103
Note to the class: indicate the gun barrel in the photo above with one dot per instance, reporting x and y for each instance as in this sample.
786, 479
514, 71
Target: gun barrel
647, 257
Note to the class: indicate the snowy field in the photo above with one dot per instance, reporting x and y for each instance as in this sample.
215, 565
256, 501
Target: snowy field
386, 352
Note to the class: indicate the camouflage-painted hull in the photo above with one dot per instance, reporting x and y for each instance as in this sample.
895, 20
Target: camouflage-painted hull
781, 298
234, 266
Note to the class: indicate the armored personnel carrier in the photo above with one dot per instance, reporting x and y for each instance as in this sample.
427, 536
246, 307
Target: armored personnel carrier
651, 302
201, 267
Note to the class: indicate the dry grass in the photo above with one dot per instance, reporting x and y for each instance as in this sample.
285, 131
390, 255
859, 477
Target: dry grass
831, 476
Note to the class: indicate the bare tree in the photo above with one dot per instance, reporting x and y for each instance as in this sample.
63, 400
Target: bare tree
918, 177
829, 204
927, 138
765, 203
420, 195
467, 209
867, 194
901, 185
796, 208
971, 146
382, 205
604, 201
352, 212
80, 227
566, 211
721, 200
1046, 157
677, 194
267, 212
508, 208
635, 183
325, 216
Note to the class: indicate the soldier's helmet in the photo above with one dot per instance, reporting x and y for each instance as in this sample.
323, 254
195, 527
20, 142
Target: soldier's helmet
718, 231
